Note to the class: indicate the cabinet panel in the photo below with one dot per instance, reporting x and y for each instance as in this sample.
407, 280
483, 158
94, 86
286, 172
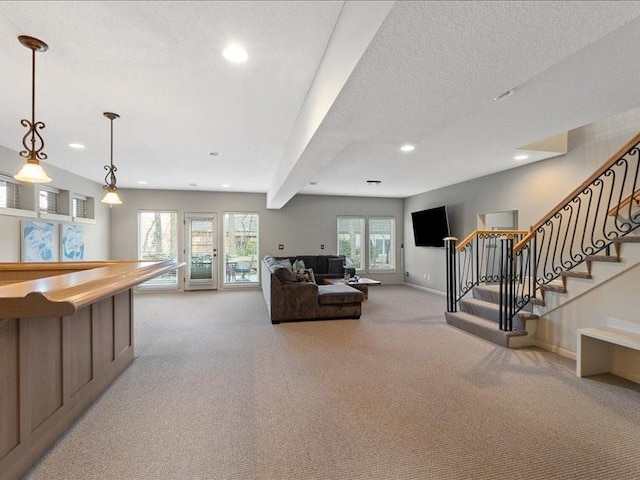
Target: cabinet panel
45, 367
122, 322
103, 334
80, 349
9, 386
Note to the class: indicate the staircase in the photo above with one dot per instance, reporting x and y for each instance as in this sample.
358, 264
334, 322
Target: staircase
551, 264
480, 314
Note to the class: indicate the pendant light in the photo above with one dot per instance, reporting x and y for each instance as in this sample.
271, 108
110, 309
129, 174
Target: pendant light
32, 171
111, 197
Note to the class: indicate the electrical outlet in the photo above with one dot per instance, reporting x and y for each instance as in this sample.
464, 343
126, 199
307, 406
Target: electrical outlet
407, 274
428, 278
425, 276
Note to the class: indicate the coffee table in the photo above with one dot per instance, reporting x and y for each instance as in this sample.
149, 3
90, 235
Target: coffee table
362, 284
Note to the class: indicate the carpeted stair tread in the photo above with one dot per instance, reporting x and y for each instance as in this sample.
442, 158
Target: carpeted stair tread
481, 308
491, 293
553, 287
491, 312
574, 274
480, 327
602, 258
628, 239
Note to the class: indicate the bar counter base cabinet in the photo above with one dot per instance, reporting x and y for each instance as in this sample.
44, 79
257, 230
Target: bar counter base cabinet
52, 369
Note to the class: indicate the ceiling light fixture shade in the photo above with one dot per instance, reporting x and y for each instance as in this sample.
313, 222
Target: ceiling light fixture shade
235, 53
111, 197
32, 171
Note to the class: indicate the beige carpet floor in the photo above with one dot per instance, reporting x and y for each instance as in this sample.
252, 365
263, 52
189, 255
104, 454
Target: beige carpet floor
217, 392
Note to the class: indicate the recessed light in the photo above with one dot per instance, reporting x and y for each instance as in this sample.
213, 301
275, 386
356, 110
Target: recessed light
407, 147
77, 146
504, 95
225, 185
214, 154
521, 157
235, 53
313, 183
193, 184
374, 182
142, 182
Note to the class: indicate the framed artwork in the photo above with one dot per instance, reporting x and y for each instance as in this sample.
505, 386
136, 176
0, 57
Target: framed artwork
38, 242
72, 242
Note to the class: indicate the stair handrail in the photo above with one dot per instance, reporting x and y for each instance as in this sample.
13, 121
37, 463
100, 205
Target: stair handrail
473, 235
576, 228
626, 148
474, 261
632, 197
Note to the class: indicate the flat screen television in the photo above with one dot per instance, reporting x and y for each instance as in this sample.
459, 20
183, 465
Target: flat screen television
430, 227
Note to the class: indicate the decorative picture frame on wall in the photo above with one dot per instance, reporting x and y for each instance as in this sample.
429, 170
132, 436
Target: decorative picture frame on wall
38, 241
72, 242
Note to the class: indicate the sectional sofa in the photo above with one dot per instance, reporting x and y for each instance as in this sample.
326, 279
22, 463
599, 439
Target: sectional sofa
289, 299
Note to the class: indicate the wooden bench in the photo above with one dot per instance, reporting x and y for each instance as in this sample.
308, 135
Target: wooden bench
595, 347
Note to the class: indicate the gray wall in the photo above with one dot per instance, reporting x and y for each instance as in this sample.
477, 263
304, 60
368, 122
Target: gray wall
96, 236
304, 224
531, 189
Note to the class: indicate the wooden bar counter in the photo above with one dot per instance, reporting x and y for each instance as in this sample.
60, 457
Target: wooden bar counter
66, 332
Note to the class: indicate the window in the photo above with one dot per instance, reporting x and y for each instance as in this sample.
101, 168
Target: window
79, 207
49, 200
158, 240
382, 232
9, 193
241, 240
351, 241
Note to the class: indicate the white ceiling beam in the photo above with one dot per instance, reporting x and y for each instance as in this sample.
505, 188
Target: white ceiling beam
356, 26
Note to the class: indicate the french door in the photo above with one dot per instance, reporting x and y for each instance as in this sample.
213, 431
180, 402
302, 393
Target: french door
201, 251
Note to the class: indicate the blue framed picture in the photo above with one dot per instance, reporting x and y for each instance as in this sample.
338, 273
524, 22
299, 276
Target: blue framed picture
38, 242
72, 244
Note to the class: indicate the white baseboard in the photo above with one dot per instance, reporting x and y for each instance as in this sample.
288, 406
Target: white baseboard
628, 375
563, 352
430, 290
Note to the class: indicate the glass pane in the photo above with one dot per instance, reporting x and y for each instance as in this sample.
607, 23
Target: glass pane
381, 248
157, 240
241, 248
351, 241
201, 248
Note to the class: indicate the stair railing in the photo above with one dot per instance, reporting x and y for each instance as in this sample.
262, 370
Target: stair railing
581, 225
474, 261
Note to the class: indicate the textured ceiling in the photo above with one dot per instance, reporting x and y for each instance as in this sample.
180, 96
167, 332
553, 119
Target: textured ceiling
420, 72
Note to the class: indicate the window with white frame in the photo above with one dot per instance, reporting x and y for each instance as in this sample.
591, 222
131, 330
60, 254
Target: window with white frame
10, 191
80, 209
351, 241
241, 242
382, 244
49, 200
158, 240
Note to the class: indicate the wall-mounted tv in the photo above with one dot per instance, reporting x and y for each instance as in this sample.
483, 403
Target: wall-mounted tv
430, 227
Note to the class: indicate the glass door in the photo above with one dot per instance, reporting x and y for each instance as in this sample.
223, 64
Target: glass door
201, 252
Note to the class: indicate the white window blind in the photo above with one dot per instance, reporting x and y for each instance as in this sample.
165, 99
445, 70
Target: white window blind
9, 192
49, 200
79, 207
158, 240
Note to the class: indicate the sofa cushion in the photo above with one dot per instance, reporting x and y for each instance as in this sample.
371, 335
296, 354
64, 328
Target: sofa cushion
305, 275
338, 294
285, 262
298, 264
285, 275
336, 266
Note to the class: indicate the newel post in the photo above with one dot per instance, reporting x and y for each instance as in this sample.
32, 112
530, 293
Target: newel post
450, 246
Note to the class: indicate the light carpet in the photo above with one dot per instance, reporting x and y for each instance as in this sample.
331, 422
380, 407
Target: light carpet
217, 392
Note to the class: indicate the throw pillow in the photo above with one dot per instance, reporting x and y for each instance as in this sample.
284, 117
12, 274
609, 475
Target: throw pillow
298, 265
306, 275
285, 275
285, 262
